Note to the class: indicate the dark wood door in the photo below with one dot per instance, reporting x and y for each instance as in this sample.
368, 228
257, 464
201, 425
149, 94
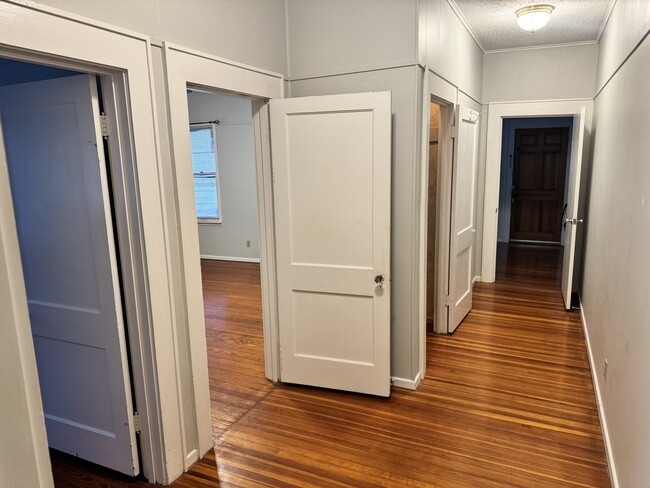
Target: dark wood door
538, 181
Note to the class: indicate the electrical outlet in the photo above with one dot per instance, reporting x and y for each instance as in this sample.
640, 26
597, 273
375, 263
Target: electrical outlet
605, 369
248, 243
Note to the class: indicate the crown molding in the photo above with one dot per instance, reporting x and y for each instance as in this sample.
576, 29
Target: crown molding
463, 20
542, 46
610, 9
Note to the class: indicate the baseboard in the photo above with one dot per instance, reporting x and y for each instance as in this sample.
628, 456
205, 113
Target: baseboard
476, 278
406, 383
601, 412
230, 258
191, 458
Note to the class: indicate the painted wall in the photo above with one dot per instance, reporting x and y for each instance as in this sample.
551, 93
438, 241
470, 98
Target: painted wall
540, 74
448, 49
237, 179
617, 228
338, 36
508, 149
629, 22
248, 31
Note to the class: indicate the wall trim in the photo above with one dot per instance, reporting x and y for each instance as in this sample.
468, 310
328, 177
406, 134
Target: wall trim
465, 22
407, 383
366, 69
543, 46
182, 66
610, 9
230, 258
622, 63
599, 403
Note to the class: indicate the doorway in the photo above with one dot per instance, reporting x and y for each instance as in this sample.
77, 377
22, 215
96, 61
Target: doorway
534, 179
535, 166
432, 212
60, 177
222, 143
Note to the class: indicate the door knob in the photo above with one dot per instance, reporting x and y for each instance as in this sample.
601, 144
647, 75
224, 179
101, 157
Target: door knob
573, 221
379, 280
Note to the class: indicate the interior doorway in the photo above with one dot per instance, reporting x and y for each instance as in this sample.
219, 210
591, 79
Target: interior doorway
222, 143
535, 166
535, 163
432, 211
60, 176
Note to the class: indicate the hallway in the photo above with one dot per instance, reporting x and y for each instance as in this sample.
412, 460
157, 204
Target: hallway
507, 400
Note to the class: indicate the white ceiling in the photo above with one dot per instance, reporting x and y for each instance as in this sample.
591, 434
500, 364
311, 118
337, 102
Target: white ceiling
494, 23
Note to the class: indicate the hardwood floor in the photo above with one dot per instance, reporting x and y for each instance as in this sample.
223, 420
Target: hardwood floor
507, 400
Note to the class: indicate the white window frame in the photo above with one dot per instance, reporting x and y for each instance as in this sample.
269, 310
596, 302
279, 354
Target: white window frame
211, 220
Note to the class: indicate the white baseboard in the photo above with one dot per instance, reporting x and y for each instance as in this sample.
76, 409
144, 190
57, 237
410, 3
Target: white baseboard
476, 278
191, 458
599, 402
406, 383
230, 258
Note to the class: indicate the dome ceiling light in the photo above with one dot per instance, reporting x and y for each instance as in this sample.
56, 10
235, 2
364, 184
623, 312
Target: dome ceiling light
534, 17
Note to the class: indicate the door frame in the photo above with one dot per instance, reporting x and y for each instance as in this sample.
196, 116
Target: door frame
123, 59
440, 91
497, 111
183, 66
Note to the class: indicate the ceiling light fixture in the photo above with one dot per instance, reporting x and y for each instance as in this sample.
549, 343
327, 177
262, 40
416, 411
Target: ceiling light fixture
534, 17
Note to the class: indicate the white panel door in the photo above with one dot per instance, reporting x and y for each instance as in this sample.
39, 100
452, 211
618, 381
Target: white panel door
572, 220
59, 188
332, 195
463, 219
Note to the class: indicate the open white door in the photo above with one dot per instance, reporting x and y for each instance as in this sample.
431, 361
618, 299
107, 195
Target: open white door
59, 187
572, 221
463, 219
332, 202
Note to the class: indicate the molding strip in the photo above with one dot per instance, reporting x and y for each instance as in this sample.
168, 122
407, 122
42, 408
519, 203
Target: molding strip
599, 403
230, 258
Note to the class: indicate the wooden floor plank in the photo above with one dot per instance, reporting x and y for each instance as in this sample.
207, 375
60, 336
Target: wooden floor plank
507, 400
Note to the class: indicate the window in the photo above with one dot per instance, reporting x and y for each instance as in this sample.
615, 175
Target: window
206, 175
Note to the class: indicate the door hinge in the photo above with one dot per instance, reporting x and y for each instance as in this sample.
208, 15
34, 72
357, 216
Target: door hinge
447, 301
103, 122
453, 132
136, 422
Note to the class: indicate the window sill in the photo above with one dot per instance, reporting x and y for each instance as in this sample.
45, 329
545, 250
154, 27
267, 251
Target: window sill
209, 221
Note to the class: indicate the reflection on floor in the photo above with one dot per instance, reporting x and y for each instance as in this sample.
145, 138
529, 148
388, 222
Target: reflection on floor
507, 400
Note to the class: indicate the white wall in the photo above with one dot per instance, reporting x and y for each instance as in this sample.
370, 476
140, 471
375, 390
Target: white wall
448, 48
237, 179
337, 36
248, 31
616, 260
628, 23
540, 74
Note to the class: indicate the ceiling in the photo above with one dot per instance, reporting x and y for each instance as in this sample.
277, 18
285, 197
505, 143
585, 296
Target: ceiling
494, 23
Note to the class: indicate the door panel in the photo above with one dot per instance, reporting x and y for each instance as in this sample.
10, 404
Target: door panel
60, 193
463, 228
331, 163
539, 174
572, 216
